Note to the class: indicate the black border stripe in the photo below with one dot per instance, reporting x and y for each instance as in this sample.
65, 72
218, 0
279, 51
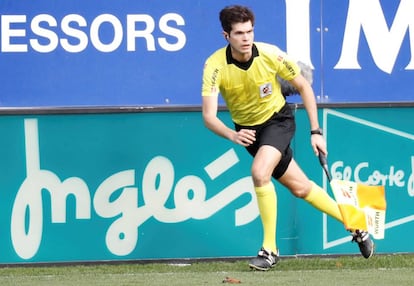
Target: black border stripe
175, 108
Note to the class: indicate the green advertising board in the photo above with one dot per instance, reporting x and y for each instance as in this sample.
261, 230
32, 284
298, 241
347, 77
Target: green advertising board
158, 185
369, 145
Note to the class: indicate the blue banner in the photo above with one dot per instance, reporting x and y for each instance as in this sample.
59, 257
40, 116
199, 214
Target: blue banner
118, 53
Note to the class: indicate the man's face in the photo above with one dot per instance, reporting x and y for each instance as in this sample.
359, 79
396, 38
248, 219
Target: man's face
241, 38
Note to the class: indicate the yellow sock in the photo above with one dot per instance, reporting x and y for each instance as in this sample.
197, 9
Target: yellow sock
267, 200
318, 198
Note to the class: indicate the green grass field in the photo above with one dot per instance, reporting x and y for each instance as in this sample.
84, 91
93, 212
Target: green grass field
343, 270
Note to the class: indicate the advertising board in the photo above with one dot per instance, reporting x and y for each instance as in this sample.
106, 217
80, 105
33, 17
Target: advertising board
123, 53
159, 185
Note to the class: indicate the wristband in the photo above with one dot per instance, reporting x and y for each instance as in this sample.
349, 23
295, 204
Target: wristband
316, 131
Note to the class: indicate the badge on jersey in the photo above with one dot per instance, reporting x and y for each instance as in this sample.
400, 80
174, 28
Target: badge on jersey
265, 89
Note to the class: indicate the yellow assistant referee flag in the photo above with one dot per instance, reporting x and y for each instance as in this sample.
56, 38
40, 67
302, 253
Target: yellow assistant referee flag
362, 207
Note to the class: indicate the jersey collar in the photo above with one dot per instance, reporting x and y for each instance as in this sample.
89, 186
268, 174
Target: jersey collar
245, 65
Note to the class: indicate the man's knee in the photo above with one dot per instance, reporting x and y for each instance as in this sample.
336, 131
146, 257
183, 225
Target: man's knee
302, 190
260, 177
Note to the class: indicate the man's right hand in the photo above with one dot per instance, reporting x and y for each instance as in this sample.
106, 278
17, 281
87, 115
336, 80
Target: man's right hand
244, 137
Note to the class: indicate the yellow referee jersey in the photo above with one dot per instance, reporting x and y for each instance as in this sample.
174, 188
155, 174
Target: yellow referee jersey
252, 95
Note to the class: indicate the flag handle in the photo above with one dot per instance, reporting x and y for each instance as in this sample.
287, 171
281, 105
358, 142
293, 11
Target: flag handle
324, 163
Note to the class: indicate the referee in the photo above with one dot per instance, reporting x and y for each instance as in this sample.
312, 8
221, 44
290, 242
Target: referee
245, 74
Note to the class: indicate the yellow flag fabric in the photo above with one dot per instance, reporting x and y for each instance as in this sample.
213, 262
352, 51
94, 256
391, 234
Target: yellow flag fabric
362, 207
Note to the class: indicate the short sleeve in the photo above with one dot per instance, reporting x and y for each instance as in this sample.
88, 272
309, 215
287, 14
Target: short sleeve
211, 79
288, 68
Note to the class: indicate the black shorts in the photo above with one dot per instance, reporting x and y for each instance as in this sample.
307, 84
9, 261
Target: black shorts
278, 132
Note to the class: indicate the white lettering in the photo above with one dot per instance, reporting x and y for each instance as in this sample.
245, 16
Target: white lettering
75, 33
344, 174
28, 202
117, 197
122, 235
146, 33
95, 35
298, 30
49, 35
363, 174
358, 170
384, 43
7, 33
106, 33
181, 39
410, 184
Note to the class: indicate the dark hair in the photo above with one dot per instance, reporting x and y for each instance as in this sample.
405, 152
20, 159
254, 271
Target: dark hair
235, 14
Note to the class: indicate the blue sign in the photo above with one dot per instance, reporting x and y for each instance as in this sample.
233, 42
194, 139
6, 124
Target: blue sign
120, 53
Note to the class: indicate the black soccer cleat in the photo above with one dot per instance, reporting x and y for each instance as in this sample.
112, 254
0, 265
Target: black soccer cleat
264, 260
366, 246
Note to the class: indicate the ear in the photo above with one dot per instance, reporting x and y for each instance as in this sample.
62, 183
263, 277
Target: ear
225, 35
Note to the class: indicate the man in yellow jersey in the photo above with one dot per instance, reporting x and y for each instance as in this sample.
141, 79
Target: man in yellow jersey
245, 74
